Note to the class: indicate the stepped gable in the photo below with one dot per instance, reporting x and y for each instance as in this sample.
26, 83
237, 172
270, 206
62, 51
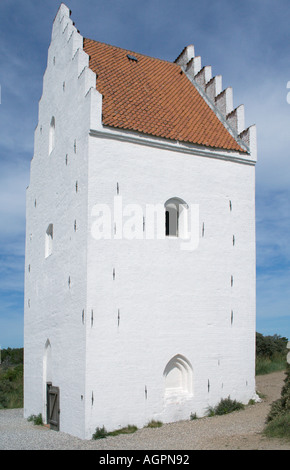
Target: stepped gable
219, 100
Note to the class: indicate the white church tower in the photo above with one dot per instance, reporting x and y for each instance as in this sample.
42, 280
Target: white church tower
140, 246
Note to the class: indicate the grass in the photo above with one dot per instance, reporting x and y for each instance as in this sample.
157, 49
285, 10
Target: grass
266, 365
154, 424
130, 429
102, 433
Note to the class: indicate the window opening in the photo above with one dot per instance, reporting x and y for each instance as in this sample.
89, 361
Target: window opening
52, 135
49, 240
176, 218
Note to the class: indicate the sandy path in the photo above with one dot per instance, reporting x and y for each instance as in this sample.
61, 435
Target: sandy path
239, 430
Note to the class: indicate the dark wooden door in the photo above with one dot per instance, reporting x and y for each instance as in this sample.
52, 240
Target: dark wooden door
53, 407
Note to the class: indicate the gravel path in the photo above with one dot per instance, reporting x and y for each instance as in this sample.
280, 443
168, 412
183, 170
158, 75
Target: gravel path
239, 430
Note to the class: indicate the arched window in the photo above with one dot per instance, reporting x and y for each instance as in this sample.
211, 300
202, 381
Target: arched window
176, 218
48, 240
178, 377
52, 135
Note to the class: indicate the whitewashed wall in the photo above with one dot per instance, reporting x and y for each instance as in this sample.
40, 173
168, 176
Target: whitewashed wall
170, 301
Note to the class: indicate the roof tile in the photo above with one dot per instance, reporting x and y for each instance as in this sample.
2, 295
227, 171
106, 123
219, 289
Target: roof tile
152, 96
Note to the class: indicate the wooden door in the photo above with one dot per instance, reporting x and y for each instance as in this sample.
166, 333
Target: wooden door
53, 407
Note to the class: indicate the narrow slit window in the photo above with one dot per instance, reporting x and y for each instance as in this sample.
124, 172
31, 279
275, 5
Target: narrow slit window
52, 135
49, 240
167, 223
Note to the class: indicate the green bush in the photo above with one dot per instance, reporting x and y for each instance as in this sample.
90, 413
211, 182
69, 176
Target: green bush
282, 405
11, 356
270, 346
271, 353
279, 427
225, 406
11, 387
100, 433
11, 378
36, 419
278, 419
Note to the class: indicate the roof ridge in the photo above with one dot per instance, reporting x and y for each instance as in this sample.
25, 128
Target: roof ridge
133, 52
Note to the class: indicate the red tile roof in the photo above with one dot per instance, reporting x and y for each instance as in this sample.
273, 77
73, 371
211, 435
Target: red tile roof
154, 97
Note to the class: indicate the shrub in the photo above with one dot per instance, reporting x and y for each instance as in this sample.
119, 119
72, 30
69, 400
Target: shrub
225, 406
271, 353
270, 346
11, 356
36, 419
100, 433
11, 387
279, 427
278, 419
282, 405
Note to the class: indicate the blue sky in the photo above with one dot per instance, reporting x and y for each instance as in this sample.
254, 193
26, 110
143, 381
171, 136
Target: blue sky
247, 42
